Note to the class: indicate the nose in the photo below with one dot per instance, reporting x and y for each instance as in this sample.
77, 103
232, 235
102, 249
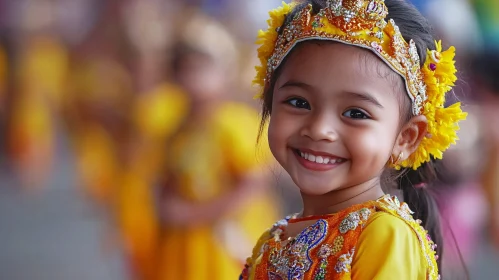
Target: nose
320, 127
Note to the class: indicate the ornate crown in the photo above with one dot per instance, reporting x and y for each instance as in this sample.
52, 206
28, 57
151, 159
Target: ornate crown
362, 23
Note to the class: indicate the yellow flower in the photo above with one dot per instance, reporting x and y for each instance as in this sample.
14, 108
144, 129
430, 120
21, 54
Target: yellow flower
267, 39
442, 122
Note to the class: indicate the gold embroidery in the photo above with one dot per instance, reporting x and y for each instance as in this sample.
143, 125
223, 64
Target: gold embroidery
338, 244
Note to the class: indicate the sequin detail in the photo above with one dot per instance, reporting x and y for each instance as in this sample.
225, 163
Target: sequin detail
273, 276
324, 252
402, 209
354, 219
293, 260
338, 244
344, 262
279, 226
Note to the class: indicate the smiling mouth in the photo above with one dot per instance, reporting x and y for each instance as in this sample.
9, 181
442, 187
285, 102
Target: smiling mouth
318, 159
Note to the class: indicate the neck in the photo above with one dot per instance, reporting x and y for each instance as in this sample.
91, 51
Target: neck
338, 200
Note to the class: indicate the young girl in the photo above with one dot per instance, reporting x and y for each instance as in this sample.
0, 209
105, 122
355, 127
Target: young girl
214, 203
353, 89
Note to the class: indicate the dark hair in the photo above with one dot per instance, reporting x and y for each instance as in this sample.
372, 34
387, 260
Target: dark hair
412, 26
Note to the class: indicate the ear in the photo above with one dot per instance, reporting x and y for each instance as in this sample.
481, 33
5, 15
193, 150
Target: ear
410, 136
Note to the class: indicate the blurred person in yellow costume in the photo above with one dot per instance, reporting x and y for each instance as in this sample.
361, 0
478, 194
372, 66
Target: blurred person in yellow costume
157, 110
98, 113
149, 26
41, 68
214, 200
152, 125
102, 122
101, 127
96, 107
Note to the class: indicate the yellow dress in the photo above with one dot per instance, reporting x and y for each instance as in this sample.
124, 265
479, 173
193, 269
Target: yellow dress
155, 115
97, 163
112, 176
206, 159
96, 104
374, 240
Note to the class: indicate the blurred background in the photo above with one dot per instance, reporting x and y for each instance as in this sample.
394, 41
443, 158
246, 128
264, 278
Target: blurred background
128, 139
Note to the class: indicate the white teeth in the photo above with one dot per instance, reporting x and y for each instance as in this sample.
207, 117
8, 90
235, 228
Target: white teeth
311, 157
319, 159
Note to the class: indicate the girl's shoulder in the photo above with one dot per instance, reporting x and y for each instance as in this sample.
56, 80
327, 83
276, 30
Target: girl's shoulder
393, 229
393, 213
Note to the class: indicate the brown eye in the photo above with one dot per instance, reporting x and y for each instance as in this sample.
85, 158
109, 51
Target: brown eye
355, 114
299, 103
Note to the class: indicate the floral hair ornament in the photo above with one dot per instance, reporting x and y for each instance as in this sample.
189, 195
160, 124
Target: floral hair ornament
362, 23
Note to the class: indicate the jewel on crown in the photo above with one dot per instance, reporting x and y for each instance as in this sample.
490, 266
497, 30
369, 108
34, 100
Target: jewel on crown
353, 15
376, 9
335, 6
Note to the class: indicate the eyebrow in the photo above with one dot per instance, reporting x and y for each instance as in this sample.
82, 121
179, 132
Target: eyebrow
366, 97
294, 83
360, 96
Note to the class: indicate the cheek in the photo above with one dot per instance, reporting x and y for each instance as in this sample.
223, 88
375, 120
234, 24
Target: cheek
281, 128
374, 141
275, 134
373, 146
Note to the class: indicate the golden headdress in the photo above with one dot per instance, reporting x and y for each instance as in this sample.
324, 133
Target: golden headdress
362, 23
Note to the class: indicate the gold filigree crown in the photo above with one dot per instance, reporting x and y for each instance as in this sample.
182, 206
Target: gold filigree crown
362, 23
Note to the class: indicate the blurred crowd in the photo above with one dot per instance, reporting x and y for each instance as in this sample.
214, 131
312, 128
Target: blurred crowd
154, 98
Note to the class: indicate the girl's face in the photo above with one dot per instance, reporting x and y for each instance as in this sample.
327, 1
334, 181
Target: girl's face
335, 116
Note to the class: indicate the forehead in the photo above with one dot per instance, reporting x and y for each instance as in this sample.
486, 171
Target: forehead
338, 63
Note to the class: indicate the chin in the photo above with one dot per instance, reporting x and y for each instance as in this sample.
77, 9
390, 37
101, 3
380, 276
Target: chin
313, 192
314, 189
